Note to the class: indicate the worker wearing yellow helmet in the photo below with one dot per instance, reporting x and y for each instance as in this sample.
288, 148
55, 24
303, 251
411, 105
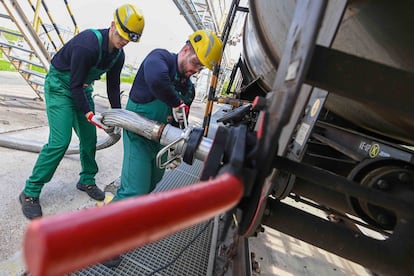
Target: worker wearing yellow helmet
69, 104
161, 90
207, 46
129, 22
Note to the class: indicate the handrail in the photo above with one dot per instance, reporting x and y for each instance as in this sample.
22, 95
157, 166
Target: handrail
43, 26
72, 17
53, 22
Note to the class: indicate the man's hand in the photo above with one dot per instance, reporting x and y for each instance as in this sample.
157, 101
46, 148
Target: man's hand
96, 120
180, 111
180, 114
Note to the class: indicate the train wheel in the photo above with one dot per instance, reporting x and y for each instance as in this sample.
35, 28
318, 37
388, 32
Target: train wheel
392, 176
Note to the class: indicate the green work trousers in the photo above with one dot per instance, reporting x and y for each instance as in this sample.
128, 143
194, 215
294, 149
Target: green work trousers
140, 173
63, 115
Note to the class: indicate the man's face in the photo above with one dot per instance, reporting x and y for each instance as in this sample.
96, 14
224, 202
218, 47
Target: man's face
116, 39
190, 64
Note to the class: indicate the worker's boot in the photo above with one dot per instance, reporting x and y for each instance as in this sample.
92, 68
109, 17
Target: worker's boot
92, 190
30, 206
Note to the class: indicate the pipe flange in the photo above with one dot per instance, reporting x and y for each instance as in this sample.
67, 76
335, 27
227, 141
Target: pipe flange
192, 144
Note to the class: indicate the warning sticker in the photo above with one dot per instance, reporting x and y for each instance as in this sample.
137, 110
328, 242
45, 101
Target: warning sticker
374, 150
315, 107
302, 133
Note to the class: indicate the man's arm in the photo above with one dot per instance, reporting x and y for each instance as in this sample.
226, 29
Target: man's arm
81, 61
113, 82
157, 76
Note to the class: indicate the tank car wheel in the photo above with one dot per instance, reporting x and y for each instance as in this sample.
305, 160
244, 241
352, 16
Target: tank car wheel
388, 175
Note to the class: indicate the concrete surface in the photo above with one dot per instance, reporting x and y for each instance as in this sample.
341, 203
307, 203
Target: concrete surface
21, 117
25, 119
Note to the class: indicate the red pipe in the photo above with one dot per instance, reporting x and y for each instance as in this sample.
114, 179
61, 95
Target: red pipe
64, 243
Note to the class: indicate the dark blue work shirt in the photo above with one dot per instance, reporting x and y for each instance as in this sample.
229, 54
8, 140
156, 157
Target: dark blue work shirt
79, 55
157, 79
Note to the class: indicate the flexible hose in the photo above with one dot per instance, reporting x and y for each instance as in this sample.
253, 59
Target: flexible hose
114, 118
133, 122
35, 146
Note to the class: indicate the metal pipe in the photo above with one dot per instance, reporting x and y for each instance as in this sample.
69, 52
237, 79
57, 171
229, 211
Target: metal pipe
131, 121
155, 131
34, 146
150, 129
203, 149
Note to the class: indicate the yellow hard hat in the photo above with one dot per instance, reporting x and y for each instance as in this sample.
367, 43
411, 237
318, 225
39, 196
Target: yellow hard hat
207, 46
129, 22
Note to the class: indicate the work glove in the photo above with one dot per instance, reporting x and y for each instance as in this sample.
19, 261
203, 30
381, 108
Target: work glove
180, 111
175, 161
180, 114
97, 121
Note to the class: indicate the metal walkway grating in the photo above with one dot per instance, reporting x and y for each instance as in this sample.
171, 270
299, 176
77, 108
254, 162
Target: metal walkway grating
185, 253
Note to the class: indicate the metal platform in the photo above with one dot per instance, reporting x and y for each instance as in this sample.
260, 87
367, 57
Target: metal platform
185, 253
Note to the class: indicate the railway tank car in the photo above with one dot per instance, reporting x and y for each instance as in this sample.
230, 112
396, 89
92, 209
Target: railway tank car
374, 30
347, 146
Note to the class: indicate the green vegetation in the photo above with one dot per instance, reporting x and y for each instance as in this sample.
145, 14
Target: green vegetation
125, 79
129, 79
224, 88
38, 69
10, 37
6, 66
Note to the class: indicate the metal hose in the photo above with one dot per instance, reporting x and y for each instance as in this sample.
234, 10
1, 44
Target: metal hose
156, 131
114, 118
131, 121
150, 129
35, 146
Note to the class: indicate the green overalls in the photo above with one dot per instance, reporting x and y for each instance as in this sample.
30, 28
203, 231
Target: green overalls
140, 173
63, 114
